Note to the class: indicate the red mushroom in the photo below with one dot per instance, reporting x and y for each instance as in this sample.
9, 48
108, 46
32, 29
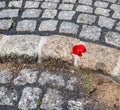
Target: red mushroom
78, 49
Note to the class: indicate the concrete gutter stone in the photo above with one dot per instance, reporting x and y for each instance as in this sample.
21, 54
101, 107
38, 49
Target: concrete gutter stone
32, 48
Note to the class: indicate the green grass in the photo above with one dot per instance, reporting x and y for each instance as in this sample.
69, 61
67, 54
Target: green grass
39, 102
89, 89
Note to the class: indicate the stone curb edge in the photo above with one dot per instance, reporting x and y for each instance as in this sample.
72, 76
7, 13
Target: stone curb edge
34, 48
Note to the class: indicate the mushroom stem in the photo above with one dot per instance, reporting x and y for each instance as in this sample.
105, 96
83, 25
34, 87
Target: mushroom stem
76, 58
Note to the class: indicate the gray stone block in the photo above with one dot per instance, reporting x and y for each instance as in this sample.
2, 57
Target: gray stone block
101, 4
90, 32
9, 13
113, 38
116, 14
5, 24
66, 15
49, 13
86, 2
102, 11
48, 25
70, 85
26, 25
66, 6
76, 105
29, 98
106, 22
68, 27
7, 96
26, 76
69, 1
84, 8
16, 4
86, 18
32, 4
48, 78
112, 1
55, 100
49, 5
31, 13
52, 0
118, 26
5, 76
2, 4
115, 7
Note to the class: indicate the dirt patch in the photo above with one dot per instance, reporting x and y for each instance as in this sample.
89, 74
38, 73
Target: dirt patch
107, 92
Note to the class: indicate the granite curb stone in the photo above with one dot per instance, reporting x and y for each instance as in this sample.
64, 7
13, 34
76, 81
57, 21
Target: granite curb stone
97, 57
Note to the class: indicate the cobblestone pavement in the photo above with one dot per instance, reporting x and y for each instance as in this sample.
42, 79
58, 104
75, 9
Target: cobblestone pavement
32, 89
90, 20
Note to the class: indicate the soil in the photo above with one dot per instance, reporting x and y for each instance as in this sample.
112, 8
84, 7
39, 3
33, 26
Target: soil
103, 90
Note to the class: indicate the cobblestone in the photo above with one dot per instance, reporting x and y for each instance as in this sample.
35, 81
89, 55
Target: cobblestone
83, 8
26, 25
115, 7
31, 13
31, 4
86, 18
5, 76
90, 32
112, 1
119, 2
66, 6
9, 13
48, 25
106, 22
101, 11
26, 76
7, 97
113, 38
116, 15
49, 13
71, 84
101, 4
29, 98
53, 0
2, 4
68, 27
75, 105
38, 0
5, 24
49, 5
118, 26
86, 2
55, 100
69, 1
47, 78
66, 15
16, 4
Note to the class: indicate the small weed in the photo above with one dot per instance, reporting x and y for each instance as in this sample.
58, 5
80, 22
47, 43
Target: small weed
90, 78
13, 23
88, 75
39, 102
89, 89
